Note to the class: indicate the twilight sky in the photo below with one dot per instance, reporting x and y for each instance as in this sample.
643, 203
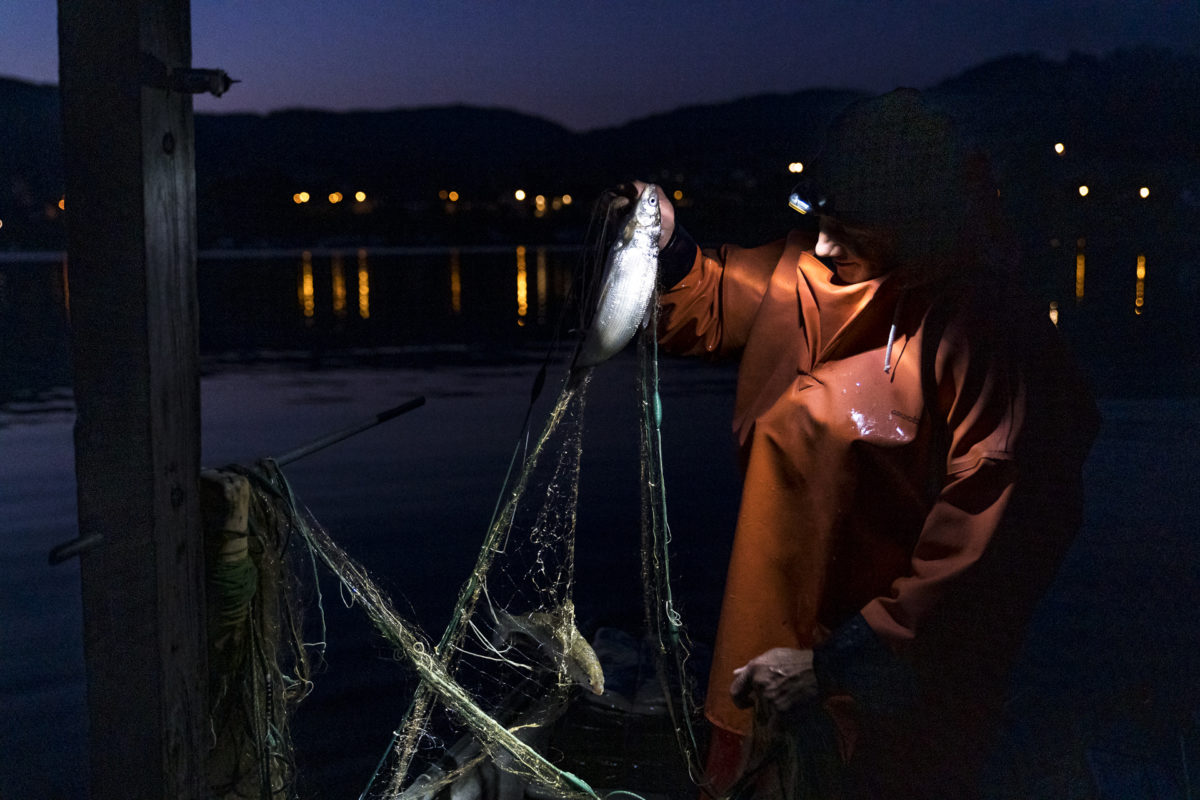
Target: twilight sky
587, 63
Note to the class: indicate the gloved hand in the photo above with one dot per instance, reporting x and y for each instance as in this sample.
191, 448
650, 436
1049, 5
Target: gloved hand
782, 676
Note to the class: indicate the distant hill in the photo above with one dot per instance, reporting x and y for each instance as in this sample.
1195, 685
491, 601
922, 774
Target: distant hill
1131, 117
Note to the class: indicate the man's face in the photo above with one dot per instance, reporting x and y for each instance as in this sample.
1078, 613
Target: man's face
858, 254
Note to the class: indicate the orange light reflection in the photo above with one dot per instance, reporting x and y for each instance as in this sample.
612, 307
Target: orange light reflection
455, 282
339, 286
307, 297
1079, 274
364, 286
1139, 292
542, 288
522, 286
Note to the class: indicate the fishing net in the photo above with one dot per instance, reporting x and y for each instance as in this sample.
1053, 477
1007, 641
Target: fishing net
259, 661
511, 658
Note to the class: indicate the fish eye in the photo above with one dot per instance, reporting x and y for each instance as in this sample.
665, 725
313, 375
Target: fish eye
652, 199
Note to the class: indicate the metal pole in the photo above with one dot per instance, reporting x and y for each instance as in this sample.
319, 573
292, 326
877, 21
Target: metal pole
345, 433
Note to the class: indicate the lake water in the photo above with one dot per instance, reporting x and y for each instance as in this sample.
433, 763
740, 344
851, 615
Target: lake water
1127, 309
297, 345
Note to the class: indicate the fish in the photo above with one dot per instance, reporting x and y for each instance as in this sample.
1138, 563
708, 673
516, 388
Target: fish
555, 632
627, 285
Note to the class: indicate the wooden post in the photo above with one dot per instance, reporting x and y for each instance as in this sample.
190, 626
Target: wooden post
130, 189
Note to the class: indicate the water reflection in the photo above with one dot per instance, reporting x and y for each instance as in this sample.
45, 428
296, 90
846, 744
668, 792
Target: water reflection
455, 282
308, 301
407, 291
364, 286
337, 268
439, 301
522, 286
1080, 269
543, 288
1139, 299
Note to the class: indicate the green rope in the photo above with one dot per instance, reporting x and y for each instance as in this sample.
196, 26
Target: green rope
233, 584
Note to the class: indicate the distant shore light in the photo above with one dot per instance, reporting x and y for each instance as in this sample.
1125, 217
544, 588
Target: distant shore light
62, 204
1059, 147
335, 197
300, 197
1083, 191
678, 195
1144, 192
519, 194
567, 199
795, 166
453, 197
360, 197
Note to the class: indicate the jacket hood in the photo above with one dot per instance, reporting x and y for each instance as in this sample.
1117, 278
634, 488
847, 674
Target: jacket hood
896, 165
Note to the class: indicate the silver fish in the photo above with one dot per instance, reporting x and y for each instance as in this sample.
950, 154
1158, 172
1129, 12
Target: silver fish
630, 271
554, 632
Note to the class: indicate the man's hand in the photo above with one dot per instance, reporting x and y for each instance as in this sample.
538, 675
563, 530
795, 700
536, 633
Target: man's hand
666, 210
782, 676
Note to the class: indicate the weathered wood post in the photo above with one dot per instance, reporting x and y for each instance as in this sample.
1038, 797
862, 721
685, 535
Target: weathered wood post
130, 189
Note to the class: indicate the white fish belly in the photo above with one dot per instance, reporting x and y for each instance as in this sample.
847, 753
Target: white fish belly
624, 300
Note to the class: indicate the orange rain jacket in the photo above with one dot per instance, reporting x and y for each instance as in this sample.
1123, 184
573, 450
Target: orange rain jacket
848, 505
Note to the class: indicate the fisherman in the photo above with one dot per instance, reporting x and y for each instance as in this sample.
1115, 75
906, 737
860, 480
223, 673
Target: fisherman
911, 444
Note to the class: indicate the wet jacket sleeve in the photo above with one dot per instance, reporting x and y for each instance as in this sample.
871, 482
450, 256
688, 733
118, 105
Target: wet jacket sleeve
981, 397
713, 295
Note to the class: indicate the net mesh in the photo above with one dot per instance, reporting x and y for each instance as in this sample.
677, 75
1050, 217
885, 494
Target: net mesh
511, 657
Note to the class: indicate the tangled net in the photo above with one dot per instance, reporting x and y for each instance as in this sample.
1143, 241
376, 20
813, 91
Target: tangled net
509, 660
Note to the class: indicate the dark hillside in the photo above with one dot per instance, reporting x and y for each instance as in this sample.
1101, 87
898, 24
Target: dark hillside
1129, 119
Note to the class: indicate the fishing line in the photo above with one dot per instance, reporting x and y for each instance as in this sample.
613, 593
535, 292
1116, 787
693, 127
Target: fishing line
662, 617
596, 242
404, 740
425, 660
478, 700
494, 542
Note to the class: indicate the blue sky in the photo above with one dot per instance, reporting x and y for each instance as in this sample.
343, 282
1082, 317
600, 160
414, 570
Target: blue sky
589, 64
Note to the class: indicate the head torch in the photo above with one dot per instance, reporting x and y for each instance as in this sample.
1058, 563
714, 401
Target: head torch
807, 199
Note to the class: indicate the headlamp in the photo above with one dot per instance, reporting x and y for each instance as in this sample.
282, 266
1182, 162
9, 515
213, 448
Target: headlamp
807, 199
798, 203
